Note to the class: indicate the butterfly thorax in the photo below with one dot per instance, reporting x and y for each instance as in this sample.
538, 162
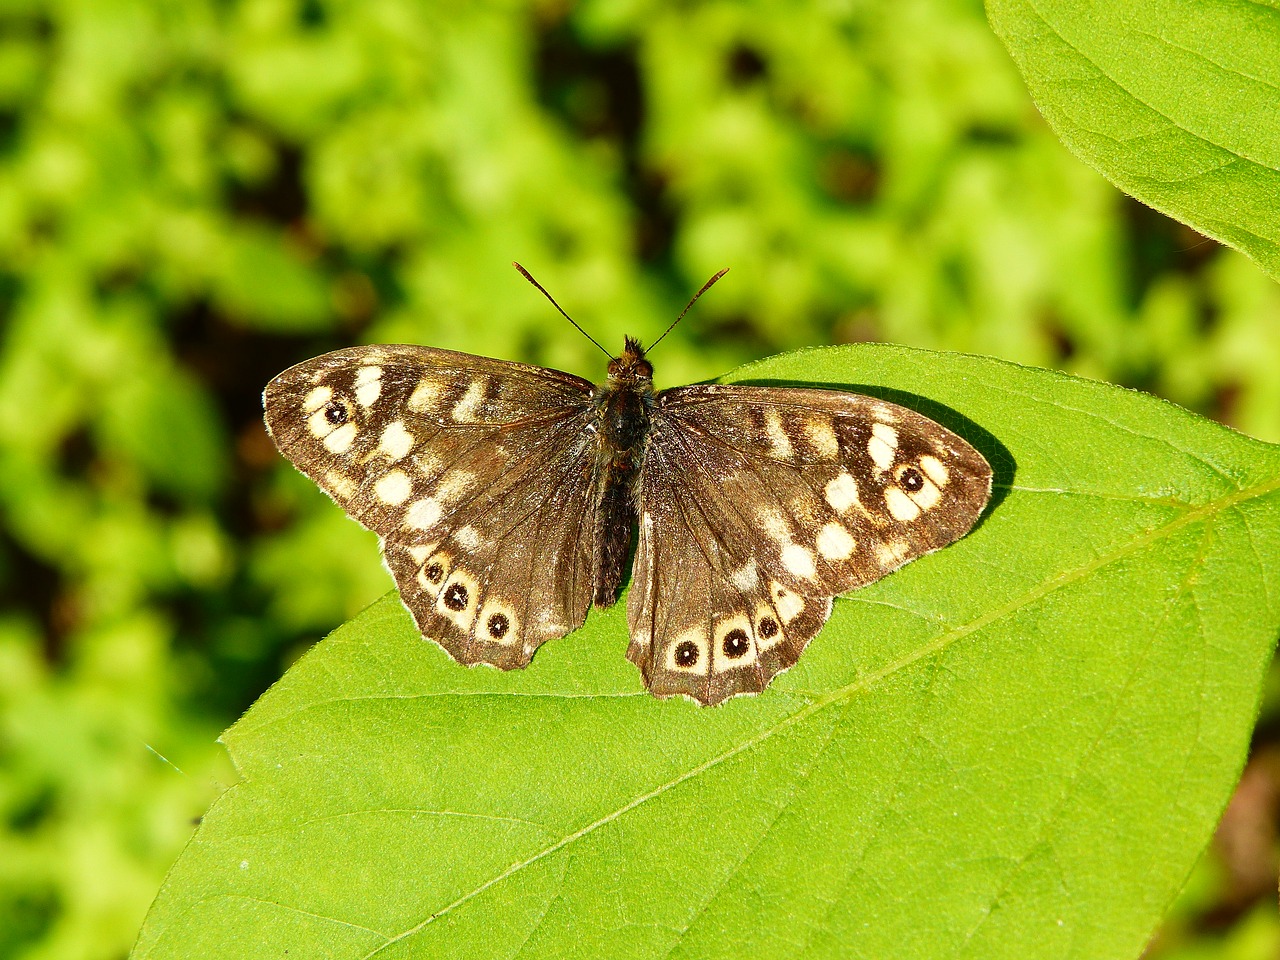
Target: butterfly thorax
623, 406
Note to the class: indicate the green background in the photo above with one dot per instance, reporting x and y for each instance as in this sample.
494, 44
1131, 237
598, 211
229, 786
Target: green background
194, 195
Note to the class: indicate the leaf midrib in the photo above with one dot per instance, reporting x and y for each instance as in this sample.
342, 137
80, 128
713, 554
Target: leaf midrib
840, 694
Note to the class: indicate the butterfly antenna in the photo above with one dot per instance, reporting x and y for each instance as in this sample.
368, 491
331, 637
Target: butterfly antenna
705, 287
528, 276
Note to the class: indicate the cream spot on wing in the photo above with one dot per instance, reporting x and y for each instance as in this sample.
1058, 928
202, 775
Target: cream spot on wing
842, 492
737, 631
936, 469
891, 552
806, 508
883, 445
927, 496
423, 514
427, 462
823, 436
393, 488
396, 441
434, 571
498, 622
886, 433
773, 522
340, 440
468, 537
368, 385
340, 484
778, 438
426, 395
454, 484
317, 398
834, 542
798, 560
901, 507
789, 605
319, 425
687, 653
467, 409
420, 552
746, 578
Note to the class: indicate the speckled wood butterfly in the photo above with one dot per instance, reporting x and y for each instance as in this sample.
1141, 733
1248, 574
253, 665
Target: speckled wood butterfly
506, 495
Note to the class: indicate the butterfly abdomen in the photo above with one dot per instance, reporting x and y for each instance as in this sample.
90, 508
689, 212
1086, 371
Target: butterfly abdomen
623, 410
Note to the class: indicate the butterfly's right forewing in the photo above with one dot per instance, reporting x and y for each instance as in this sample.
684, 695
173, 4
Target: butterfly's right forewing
478, 475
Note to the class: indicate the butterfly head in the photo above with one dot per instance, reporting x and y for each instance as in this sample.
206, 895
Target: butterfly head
631, 367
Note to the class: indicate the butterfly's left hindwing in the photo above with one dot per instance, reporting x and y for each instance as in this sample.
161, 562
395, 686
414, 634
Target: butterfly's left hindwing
479, 476
757, 505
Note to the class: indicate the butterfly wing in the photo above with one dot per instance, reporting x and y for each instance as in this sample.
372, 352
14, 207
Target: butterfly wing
758, 505
478, 476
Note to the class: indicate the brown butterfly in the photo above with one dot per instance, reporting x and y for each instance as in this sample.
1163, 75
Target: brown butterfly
506, 496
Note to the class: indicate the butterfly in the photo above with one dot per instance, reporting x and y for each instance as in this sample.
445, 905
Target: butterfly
507, 497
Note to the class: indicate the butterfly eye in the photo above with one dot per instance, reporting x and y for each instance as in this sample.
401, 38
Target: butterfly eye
687, 654
335, 412
911, 480
736, 644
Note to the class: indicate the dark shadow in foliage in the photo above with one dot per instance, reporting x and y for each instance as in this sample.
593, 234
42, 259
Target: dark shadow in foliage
744, 65
28, 912
28, 582
599, 94
234, 363
281, 196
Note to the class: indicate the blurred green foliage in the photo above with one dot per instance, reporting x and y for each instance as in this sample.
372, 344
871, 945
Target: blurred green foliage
195, 194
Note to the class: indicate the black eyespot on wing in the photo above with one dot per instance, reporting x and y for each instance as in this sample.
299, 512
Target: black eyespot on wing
336, 413
455, 598
736, 644
498, 625
434, 572
911, 480
768, 628
687, 654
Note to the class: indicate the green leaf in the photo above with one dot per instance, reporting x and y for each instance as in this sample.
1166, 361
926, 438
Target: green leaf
1174, 102
1014, 747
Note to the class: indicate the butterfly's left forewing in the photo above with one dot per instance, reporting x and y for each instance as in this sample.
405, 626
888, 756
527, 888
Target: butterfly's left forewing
758, 505
478, 475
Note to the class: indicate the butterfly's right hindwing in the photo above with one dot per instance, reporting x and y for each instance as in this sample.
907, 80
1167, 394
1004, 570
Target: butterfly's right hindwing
479, 476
